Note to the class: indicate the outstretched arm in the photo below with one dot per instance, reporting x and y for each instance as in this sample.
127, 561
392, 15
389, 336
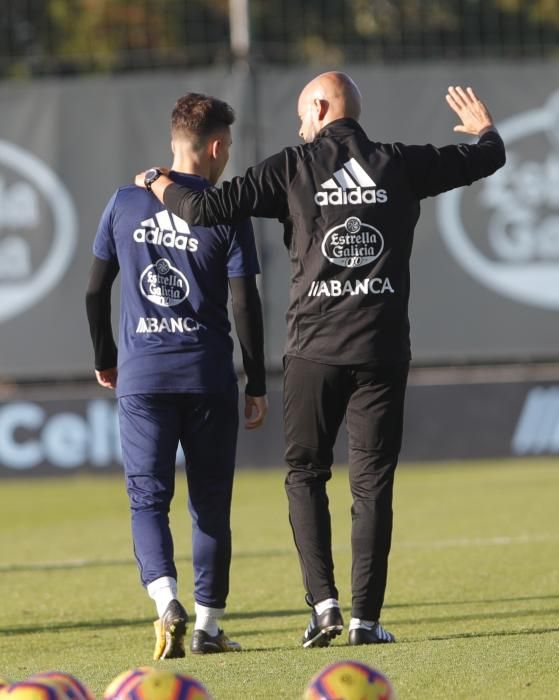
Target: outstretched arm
434, 170
261, 192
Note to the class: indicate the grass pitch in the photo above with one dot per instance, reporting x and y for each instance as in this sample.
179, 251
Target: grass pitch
473, 594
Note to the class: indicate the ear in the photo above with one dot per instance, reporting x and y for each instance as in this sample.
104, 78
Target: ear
321, 107
214, 147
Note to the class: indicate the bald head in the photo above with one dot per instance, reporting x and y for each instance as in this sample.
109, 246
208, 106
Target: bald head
327, 97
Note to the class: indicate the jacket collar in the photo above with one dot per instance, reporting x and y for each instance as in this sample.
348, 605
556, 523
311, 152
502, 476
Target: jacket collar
341, 127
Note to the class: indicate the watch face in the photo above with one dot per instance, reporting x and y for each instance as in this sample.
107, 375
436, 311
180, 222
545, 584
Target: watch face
151, 175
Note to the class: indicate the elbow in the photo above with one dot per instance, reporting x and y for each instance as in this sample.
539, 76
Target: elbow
91, 298
497, 162
240, 307
502, 159
96, 302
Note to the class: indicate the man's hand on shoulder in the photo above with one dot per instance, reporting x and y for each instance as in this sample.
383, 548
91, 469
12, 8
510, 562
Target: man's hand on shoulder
107, 377
256, 408
471, 111
158, 186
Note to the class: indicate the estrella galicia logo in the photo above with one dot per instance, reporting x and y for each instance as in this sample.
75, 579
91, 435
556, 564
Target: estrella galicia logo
514, 249
38, 230
163, 284
352, 244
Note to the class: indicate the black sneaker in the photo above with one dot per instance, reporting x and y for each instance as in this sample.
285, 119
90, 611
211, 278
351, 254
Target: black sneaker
323, 628
203, 643
169, 632
370, 635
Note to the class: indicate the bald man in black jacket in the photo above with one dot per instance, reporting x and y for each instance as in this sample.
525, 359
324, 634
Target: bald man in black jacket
349, 206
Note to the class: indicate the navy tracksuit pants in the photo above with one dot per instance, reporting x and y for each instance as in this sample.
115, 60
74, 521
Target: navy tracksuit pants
151, 428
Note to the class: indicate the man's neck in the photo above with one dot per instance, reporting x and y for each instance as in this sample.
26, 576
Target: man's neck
190, 166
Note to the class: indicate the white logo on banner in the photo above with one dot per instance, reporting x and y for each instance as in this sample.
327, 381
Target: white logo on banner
38, 230
518, 252
537, 431
60, 435
30, 437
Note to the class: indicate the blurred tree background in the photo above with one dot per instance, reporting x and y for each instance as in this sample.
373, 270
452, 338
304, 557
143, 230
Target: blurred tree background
46, 37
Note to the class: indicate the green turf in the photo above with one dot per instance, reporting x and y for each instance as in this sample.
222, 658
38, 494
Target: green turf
473, 593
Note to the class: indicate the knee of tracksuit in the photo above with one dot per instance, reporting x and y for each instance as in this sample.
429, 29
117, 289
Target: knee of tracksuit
142, 503
308, 460
143, 497
375, 481
313, 481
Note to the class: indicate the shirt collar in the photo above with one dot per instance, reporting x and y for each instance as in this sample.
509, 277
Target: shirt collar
341, 127
195, 182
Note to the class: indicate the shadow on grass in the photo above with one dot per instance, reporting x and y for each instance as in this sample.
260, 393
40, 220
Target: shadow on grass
78, 625
480, 601
117, 622
303, 612
506, 615
496, 633
475, 635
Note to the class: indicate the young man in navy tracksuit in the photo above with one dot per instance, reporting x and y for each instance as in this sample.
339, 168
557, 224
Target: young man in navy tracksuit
173, 372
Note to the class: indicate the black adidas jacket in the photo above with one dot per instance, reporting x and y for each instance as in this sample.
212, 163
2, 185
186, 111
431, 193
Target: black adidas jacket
349, 207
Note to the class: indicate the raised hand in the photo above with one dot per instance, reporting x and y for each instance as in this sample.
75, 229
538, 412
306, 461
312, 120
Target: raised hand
471, 111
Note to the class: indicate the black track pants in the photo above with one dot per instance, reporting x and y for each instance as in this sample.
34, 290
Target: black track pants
316, 398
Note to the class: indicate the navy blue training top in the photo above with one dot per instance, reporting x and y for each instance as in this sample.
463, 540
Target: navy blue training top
174, 331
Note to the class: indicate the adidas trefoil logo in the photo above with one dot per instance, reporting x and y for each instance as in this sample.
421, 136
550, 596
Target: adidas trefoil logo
350, 185
162, 230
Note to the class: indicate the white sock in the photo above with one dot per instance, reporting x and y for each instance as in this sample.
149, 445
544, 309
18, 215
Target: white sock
206, 618
163, 590
326, 604
357, 623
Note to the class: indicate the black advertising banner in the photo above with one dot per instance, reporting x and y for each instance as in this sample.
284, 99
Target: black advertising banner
485, 264
43, 435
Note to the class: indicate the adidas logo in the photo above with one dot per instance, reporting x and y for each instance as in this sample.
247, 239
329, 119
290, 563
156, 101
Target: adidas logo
162, 230
350, 185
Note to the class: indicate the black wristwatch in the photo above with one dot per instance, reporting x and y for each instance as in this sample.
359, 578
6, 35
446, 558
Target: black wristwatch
150, 177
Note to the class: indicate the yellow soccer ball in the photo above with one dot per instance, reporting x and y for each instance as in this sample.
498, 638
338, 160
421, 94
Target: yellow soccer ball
73, 687
349, 680
122, 683
166, 685
34, 690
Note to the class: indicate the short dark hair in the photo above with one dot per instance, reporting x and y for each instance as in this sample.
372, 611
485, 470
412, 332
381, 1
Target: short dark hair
198, 116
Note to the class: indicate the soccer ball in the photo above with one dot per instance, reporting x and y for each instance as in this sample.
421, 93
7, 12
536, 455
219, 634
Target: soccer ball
349, 680
165, 685
120, 685
74, 688
34, 690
